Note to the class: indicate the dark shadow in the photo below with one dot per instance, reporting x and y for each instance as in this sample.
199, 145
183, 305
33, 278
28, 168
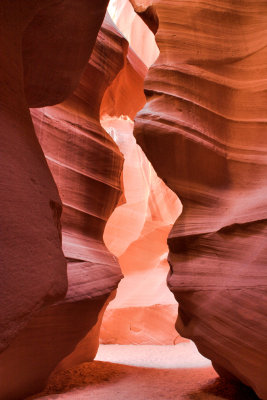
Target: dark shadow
224, 390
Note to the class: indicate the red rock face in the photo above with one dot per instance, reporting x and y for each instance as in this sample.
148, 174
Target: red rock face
32, 266
204, 130
33, 51
56, 46
84, 160
86, 165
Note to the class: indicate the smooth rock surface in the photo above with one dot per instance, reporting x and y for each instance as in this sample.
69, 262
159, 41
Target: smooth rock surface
138, 33
37, 67
86, 165
144, 311
204, 130
56, 46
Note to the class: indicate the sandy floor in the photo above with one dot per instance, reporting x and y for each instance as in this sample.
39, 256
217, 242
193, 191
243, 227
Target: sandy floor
183, 355
155, 372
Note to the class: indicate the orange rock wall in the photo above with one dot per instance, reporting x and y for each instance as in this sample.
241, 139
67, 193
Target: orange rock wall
204, 130
144, 310
137, 234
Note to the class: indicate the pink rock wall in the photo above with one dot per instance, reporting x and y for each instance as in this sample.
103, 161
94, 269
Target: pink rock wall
32, 266
144, 310
84, 160
37, 67
137, 234
129, 21
204, 130
86, 165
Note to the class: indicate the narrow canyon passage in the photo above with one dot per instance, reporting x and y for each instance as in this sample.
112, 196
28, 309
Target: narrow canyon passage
134, 211
142, 357
144, 311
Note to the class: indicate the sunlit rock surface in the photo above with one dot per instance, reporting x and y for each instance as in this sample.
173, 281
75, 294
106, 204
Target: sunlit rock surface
86, 165
204, 130
134, 29
144, 311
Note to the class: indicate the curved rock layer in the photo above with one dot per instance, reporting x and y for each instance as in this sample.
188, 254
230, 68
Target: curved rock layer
86, 165
144, 311
85, 161
134, 29
125, 96
137, 234
36, 67
204, 130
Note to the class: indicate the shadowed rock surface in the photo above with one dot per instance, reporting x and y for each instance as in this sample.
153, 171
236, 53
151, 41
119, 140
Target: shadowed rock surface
37, 67
86, 165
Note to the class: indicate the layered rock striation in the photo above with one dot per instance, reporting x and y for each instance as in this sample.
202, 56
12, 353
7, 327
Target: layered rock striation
204, 130
33, 268
144, 310
86, 165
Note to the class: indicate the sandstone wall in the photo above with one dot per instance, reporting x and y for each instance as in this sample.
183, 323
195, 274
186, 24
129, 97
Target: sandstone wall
86, 165
204, 130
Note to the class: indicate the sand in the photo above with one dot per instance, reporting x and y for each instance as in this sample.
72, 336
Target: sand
143, 373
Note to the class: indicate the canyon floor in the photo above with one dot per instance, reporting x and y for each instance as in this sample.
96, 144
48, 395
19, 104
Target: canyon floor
140, 372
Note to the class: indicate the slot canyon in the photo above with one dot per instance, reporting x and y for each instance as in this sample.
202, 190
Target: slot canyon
133, 216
